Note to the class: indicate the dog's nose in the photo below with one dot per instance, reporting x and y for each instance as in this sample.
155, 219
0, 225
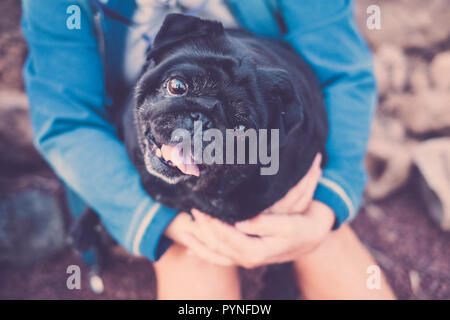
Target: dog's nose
195, 115
198, 116
164, 124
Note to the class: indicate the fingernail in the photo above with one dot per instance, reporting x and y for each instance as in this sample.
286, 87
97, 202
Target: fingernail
197, 214
319, 157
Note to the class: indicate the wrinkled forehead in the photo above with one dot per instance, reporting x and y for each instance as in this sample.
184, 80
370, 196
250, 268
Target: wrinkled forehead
200, 59
228, 55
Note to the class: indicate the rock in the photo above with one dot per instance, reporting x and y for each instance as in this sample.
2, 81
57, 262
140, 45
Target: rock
16, 140
432, 159
31, 227
390, 69
389, 128
388, 165
427, 111
374, 212
388, 159
391, 236
12, 54
440, 70
406, 23
419, 79
414, 280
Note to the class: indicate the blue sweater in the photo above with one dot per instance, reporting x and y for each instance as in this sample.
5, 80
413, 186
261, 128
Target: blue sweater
71, 86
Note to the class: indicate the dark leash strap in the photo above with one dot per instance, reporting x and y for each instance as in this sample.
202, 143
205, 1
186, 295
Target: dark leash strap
116, 16
112, 14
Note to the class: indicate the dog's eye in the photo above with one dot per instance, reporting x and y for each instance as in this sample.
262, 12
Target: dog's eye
176, 86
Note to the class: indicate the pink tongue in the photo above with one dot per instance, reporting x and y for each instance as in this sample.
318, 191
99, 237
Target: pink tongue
180, 160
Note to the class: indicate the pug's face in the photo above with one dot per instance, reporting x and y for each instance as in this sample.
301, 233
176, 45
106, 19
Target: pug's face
198, 75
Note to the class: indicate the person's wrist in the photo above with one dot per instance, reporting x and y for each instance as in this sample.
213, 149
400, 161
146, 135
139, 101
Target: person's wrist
322, 221
323, 214
181, 224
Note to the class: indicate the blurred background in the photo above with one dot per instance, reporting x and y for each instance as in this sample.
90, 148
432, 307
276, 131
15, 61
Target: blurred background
405, 217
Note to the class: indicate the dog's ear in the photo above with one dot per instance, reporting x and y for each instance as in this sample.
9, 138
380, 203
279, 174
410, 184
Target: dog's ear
179, 27
286, 103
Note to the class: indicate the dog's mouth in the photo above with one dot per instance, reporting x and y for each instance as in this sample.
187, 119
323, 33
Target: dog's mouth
175, 157
169, 161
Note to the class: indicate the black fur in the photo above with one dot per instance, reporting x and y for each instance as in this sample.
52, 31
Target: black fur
234, 77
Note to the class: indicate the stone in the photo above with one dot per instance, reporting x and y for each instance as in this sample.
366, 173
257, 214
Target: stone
406, 23
16, 140
388, 165
440, 71
374, 212
432, 159
427, 111
31, 227
414, 279
390, 69
420, 78
388, 160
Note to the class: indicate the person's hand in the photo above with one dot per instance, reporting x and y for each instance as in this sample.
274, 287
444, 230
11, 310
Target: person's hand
268, 238
265, 239
182, 228
300, 196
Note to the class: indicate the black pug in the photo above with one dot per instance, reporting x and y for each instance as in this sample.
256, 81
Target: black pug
228, 79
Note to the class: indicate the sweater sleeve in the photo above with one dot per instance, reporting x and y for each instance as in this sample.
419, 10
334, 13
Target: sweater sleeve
326, 35
65, 85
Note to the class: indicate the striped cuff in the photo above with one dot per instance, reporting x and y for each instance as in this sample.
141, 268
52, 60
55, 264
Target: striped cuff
146, 233
153, 243
332, 194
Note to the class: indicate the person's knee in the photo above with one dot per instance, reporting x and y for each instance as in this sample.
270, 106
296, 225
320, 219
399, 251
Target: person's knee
337, 243
179, 256
181, 275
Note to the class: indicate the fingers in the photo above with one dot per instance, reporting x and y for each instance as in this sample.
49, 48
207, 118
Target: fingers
321, 215
317, 161
282, 238
309, 181
208, 234
269, 225
305, 200
199, 249
182, 223
225, 237
285, 204
243, 250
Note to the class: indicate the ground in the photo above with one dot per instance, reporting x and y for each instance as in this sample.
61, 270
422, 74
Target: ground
408, 245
